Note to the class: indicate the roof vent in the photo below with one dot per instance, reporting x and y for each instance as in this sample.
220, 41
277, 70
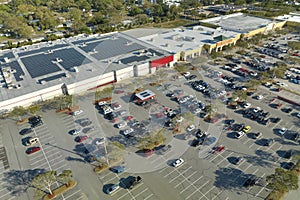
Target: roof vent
58, 60
75, 69
43, 82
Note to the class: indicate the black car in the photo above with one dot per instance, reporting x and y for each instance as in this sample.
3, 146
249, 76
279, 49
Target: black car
34, 119
257, 135
295, 136
25, 131
191, 77
289, 165
229, 121
133, 182
36, 124
195, 143
288, 154
237, 160
287, 110
269, 142
110, 116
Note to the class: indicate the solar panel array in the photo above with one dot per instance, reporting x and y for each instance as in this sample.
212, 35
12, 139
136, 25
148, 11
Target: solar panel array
43, 49
156, 52
133, 59
51, 78
15, 65
70, 58
40, 65
114, 47
8, 55
91, 46
89, 40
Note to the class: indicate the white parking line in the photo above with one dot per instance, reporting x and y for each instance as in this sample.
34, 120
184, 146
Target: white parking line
67, 197
217, 195
169, 173
56, 163
62, 166
110, 179
224, 159
106, 175
198, 190
185, 170
4, 195
141, 192
148, 196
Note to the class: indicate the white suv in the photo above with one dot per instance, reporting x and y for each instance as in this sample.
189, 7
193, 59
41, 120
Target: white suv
239, 134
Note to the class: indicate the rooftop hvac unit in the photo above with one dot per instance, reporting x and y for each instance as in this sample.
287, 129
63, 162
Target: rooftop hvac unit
43, 82
6, 59
18, 86
75, 69
59, 60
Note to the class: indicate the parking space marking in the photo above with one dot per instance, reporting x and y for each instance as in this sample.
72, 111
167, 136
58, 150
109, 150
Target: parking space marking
217, 195
67, 197
141, 192
197, 191
169, 173
148, 196
62, 166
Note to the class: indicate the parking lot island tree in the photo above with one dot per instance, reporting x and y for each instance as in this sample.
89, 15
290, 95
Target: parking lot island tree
19, 112
34, 109
44, 181
65, 177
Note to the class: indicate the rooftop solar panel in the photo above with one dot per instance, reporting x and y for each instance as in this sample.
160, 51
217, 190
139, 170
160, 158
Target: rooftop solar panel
70, 58
8, 55
89, 40
42, 50
51, 78
40, 65
133, 59
156, 52
15, 65
111, 48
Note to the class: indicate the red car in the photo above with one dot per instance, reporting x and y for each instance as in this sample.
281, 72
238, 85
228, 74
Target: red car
32, 150
128, 118
81, 138
159, 115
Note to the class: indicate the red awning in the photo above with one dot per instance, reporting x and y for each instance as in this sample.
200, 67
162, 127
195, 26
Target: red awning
162, 61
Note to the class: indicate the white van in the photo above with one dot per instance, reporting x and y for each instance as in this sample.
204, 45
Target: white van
32, 141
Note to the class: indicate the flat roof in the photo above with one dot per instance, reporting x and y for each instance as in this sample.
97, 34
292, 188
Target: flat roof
145, 94
42, 65
239, 22
185, 39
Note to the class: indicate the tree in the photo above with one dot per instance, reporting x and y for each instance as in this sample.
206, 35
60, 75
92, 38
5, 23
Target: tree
34, 109
65, 177
282, 181
18, 111
135, 11
44, 181
210, 109
240, 94
252, 84
188, 116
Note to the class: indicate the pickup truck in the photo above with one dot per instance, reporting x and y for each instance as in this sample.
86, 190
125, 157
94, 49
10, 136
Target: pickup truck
133, 181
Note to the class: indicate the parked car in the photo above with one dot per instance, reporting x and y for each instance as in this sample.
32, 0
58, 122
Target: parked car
133, 182
163, 149
257, 135
237, 160
81, 138
26, 131
239, 134
32, 150
117, 169
126, 132
269, 142
246, 129
191, 127
250, 182
112, 188
121, 125
75, 131
100, 141
31, 141
77, 112
282, 131
178, 162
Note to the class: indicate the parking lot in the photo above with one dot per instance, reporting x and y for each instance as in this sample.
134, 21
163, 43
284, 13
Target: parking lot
209, 170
